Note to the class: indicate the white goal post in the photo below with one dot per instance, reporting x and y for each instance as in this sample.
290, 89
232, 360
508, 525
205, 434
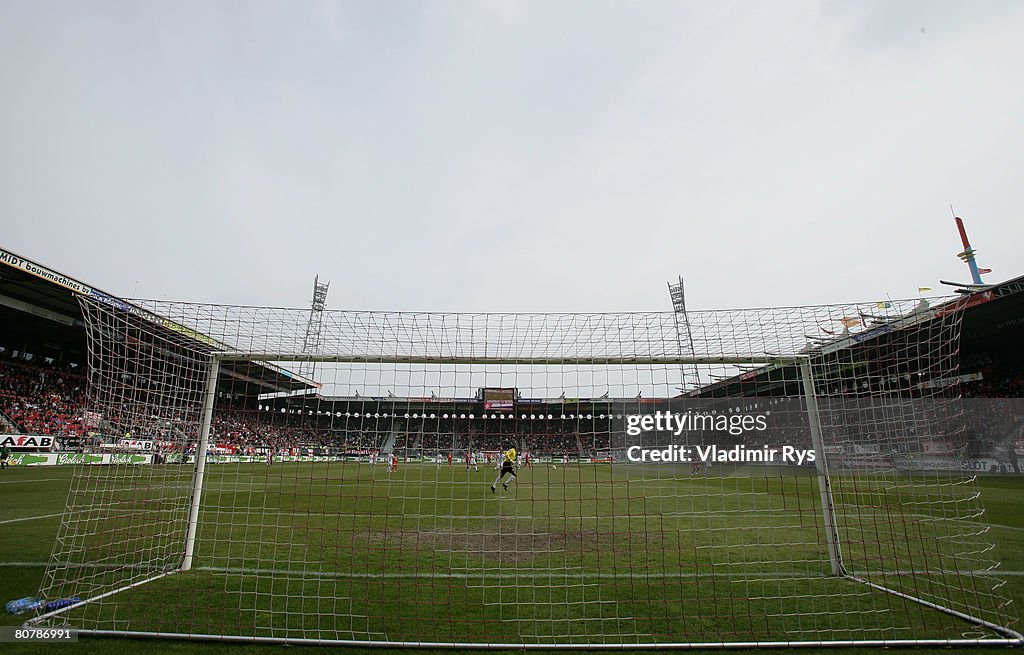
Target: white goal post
348, 509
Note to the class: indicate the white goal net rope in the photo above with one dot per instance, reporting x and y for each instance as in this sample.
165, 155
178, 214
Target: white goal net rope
353, 487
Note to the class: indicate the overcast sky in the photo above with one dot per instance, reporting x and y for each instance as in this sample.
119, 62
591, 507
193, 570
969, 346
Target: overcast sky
569, 156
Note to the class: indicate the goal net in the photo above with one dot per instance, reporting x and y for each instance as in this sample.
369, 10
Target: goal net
362, 489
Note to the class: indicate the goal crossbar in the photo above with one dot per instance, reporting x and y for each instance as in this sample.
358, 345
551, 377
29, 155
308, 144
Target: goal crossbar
667, 360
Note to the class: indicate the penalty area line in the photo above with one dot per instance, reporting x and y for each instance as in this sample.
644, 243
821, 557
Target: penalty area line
470, 575
754, 575
31, 518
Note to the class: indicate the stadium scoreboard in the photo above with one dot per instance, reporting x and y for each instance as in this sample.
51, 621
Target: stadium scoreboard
502, 399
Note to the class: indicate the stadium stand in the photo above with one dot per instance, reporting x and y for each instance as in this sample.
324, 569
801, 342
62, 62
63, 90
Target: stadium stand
45, 393
43, 398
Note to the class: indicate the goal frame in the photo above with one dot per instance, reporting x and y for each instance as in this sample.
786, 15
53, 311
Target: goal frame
804, 362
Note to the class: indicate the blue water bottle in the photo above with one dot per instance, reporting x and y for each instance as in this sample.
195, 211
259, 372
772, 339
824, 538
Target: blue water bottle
22, 605
55, 605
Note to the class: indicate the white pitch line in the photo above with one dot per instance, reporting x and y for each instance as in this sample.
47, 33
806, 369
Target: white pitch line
31, 518
769, 513
758, 575
710, 515
28, 481
456, 575
1003, 527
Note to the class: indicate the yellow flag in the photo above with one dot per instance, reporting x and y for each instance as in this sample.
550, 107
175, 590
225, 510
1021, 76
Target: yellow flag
920, 289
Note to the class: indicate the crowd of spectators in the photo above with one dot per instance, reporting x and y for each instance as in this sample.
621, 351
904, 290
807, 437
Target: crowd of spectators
1008, 384
993, 410
42, 398
236, 429
47, 398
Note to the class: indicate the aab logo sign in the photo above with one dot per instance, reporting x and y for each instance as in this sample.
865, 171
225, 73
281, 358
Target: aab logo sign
25, 441
135, 444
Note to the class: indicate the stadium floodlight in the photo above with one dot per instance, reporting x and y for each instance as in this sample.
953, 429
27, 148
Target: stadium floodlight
622, 542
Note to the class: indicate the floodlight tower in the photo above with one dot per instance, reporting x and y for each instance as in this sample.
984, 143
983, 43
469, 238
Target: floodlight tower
683, 335
314, 326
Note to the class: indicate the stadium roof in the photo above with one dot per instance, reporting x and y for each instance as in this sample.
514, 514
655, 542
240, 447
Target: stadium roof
40, 313
992, 330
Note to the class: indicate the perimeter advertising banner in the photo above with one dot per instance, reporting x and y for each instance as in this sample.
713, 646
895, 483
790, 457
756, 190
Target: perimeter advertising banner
26, 442
69, 459
135, 444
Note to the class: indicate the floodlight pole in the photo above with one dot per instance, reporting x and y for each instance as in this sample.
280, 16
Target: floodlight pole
197, 477
824, 485
315, 324
677, 294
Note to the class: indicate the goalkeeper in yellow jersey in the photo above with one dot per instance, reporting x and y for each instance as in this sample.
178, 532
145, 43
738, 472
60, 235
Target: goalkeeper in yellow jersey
507, 466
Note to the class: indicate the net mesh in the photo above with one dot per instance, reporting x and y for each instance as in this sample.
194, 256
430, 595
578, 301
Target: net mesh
360, 501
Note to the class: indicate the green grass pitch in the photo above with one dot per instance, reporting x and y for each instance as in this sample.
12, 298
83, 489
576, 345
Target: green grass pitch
576, 554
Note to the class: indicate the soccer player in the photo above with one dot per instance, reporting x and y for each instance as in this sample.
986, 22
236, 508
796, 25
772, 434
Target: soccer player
507, 466
393, 463
449, 458
471, 461
5, 454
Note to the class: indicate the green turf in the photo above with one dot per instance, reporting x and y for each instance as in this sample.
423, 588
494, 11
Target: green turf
574, 554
